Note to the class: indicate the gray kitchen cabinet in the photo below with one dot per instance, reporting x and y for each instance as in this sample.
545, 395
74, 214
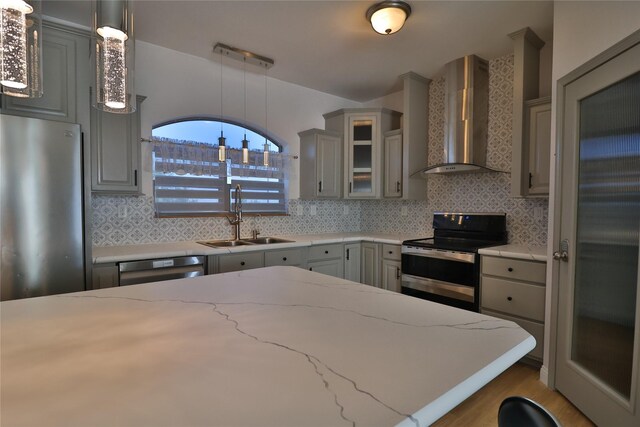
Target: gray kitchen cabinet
362, 130
240, 261
320, 164
288, 257
65, 78
391, 267
327, 259
514, 289
537, 136
352, 262
115, 151
105, 276
370, 266
393, 164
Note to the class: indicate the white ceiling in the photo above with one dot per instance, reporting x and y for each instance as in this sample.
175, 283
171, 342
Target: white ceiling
329, 45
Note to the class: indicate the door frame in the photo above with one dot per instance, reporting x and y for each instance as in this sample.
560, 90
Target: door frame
555, 220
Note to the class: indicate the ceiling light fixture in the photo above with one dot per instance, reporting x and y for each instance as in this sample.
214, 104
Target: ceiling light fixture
222, 141
245, 142
113, 51
21, 48
265, 154
388, 17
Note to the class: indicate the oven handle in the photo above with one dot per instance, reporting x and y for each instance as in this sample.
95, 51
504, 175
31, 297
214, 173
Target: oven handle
434, 253
451, 290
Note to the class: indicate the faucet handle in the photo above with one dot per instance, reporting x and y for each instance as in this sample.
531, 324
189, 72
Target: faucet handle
254, 233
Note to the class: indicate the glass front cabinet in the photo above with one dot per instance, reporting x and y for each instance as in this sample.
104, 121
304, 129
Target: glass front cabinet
363, 131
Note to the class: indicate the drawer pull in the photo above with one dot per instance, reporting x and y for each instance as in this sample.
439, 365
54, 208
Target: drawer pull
284, 258
390, 252
509, 298
326, 252
241, 262
310, 268
510, 269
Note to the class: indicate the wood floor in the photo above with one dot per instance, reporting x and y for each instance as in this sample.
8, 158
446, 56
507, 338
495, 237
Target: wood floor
481, 409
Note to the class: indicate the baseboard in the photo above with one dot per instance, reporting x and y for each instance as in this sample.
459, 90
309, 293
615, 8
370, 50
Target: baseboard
544, 375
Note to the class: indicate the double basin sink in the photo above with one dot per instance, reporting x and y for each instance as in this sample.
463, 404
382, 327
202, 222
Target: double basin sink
244, 242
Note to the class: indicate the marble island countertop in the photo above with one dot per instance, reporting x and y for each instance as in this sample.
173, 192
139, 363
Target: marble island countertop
274, 346
105, 254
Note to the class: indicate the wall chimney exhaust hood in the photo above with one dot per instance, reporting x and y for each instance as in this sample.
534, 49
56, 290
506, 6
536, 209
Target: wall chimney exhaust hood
466, 117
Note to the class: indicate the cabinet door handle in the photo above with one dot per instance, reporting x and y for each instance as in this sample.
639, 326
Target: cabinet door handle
530, 180
347, 254
284, 258
510, 269
135, 177
241, 262
398, 186
397, 272
509, 299
326, 252
350, 186
390, 252
320, 187
310, 268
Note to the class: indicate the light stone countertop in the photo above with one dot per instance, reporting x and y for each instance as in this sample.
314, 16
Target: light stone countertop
108, 254
535, 253
277, 346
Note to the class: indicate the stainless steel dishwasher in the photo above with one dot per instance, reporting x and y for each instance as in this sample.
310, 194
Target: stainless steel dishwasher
155, 270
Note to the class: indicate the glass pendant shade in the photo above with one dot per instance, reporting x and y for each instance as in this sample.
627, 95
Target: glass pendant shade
113, 56
222, 148
245, 150
21, 48
265, 155
388, 17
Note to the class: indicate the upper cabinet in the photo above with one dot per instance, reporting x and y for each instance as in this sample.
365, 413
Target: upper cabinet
363, 131
531, 119
320, 164
393, 164
115, 151
65, 64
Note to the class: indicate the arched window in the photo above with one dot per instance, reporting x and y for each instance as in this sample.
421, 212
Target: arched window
190, 180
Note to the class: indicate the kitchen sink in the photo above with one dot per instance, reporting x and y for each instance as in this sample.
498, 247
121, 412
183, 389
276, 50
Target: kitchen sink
225, 243
266, 240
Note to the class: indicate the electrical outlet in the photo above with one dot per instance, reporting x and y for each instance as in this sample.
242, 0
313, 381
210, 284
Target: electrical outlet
404, 211
122, 211
345, 210
312, 210
537, 213
300, 210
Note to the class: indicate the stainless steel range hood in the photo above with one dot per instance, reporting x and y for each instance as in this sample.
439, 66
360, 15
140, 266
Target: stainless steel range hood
466, 117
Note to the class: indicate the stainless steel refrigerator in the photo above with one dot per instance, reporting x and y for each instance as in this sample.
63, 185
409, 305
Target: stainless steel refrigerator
41, 211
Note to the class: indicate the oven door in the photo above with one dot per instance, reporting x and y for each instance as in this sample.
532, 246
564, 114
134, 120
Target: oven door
447, 277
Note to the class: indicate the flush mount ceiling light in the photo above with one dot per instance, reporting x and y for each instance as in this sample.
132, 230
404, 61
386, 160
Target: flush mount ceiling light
388, 17
113, 50
20, 48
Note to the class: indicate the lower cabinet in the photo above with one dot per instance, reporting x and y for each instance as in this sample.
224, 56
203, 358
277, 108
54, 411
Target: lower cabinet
287, 257
239, 262
327, 259
370, 266
391, 268
105, 276
352, 262
514, 289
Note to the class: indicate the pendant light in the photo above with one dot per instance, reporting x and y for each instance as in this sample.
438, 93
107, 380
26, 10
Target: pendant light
265, 155
388, 17
21, 48
222, 141
245, 142
113, 56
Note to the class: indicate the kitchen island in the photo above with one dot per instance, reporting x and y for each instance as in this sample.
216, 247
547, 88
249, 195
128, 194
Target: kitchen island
277, 346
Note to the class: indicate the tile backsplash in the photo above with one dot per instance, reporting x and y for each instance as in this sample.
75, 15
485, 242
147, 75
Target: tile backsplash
122, 220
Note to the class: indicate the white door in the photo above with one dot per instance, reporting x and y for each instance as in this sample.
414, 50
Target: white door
597, 360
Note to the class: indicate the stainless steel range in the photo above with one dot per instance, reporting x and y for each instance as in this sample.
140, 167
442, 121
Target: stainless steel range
446, 267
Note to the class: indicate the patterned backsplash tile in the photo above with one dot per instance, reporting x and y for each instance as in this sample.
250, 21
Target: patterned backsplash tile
484, 192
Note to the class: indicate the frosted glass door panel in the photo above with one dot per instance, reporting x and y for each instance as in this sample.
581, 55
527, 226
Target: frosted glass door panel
362, 156
608, 234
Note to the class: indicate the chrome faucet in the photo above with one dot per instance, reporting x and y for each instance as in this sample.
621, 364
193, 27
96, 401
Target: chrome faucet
237, 198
